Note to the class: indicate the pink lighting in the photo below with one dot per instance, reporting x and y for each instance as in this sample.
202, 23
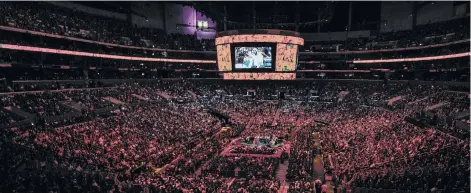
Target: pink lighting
74, 53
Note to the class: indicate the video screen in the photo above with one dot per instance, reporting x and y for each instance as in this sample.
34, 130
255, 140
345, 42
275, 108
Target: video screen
259, 76
253, 57
286, 57
224, 57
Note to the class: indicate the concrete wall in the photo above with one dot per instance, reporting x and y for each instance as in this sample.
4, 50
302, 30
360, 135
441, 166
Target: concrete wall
153, 11
334, 36
396, 16
436, 12
155, 20
89, 10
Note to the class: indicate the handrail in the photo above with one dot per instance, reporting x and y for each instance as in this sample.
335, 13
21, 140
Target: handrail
358, 71
465, 54
6, 28
58, 90
428, 58
75, 53
387, 50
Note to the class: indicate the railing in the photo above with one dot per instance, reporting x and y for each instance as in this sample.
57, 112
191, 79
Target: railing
388, 50
6, 28
258, 31
380, 190
465, 54
119, 81
96, 55
60, 90
108, 56
356, 71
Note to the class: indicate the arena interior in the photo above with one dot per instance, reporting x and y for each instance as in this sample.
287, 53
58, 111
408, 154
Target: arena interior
235, 97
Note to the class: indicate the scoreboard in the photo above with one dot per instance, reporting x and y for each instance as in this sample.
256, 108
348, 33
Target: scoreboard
263, 55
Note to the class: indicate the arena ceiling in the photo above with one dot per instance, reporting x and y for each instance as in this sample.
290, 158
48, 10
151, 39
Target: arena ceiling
332, 15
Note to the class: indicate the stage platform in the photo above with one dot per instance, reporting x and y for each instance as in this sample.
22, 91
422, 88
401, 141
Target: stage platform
285, 146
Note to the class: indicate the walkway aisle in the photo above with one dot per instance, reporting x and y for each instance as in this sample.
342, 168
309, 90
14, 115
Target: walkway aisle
275, 117
198, 172
318, 167
229, 182
114, 100
193, 94
283, 189
330, 184
163, 94
162, 170
281, 175
318, 161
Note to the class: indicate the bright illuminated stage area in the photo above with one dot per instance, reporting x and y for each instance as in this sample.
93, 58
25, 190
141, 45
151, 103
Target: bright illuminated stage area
262, 141
257, 147
258, 54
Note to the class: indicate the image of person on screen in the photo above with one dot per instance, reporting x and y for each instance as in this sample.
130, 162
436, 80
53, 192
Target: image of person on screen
257, 58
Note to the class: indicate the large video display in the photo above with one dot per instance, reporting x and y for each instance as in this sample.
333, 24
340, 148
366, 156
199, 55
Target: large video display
259, 38
259, 76
258, 56
249, 57
224, 57
286, 57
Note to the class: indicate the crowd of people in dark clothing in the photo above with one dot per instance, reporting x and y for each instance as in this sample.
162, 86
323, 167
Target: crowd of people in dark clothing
164, 145
420, 36
45, 17
168, 135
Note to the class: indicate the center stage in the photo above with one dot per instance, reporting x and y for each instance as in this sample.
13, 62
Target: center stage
238, 143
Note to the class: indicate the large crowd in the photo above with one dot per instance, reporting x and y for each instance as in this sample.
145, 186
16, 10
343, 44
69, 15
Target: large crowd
45, 17
161, 144
169, 135
422, 35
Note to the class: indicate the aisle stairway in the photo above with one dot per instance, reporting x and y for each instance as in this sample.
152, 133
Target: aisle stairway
281, 173
229, 182
283, 189
436, 106
275, 118
200, 169
140, 97
193, 94
114, 100
330, 184
73, 105
19, 112
163, 94
417, 101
